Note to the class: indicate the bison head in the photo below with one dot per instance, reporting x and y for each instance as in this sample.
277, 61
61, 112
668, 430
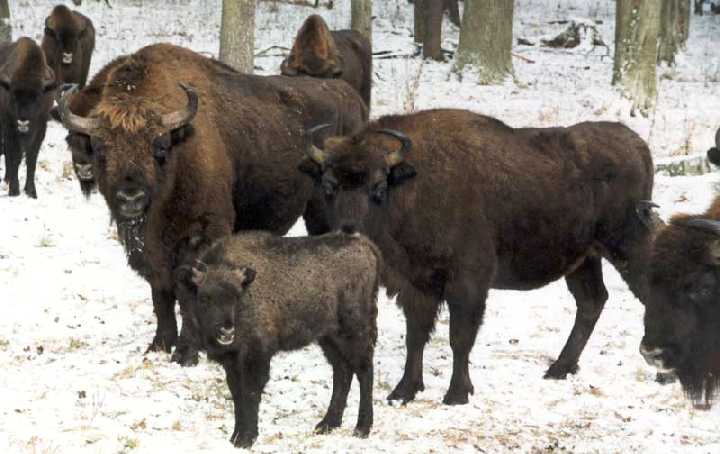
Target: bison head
29, 95
713, 154
314, 52
682, 314
65, 30
358, 174
216, 292
131, 144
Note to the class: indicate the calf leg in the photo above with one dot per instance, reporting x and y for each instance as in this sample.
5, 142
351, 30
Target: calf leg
251, 378
586, 285
365, 412
342, 378
465, 320
166, 332
420, 314
186, 350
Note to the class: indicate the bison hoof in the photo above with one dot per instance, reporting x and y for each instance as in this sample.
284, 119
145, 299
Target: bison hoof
243, 440
327, 425
31, 192
558, 372
14, 192
405, 392
457, 397
161, 344
361, 432
665, 378
185, 356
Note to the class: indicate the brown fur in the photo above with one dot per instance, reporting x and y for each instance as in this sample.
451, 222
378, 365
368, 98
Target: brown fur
233, 169
319, 52
70, 32
479, 205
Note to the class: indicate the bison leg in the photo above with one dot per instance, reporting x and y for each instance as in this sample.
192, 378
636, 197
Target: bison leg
342, 378
30, 164
365, 412
186, 350
586, 285
166, 332
12, 161
249, 382
420, 314
465, 320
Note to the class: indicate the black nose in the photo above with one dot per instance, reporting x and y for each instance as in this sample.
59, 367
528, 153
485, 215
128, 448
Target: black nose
348, 228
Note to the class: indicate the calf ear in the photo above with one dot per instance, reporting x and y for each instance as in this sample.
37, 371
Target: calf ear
400, 173
311, 168
245, 275
192, 276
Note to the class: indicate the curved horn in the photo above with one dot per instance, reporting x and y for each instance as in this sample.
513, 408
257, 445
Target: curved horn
707, 225
182, 117
397, 157
74, 122
316, 154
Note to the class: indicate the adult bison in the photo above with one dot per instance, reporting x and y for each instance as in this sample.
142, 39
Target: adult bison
713, 153
26, 95
68, 44
343, 54
682, 314
459, 203
184, 145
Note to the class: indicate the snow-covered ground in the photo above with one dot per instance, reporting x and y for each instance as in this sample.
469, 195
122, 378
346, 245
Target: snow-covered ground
76, 320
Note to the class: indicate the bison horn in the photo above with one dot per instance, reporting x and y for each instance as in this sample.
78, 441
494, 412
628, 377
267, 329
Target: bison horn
285, 68
74, 122
182, 117
316, 154
397, 157
707, 225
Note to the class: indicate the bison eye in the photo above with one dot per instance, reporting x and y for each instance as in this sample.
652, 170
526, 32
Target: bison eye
378, 192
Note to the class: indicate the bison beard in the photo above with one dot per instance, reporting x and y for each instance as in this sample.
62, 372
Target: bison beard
490, 207
232, 168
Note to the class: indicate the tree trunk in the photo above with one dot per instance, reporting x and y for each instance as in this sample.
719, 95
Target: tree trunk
419, 21
486, 39
685, 13
673, 29
237, 34
361, 17
433, 30
5, 26
636, 51
698, 7
453, 11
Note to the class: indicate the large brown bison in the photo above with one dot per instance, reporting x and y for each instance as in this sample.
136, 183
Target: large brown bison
459, 203
343, 54
68, 44
682, 311
26, 95
184, 145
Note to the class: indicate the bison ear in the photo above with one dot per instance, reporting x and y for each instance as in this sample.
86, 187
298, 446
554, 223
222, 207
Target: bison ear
55, 114
245, 276
286, 69
309, 167
400, 173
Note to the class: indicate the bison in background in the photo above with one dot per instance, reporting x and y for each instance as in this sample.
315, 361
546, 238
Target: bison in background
27, 84
343, 54
68, 44
713, 154
459, 203
184, 145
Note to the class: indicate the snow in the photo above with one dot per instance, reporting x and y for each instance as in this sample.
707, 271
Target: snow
76, 320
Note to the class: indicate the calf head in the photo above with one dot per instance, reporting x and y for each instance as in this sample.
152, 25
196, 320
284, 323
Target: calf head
358, 174
216, 293
314, 52
682, 314
131, 144
65, 30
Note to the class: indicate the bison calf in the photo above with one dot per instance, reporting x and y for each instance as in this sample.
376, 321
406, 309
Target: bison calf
256, 294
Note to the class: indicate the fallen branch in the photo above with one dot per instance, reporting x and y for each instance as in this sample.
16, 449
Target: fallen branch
263, 52
522, 57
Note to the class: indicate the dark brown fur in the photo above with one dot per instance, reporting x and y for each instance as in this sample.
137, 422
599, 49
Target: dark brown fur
255, 295
72, 33
682, 314
233, 168
26, 89
478, 205
319, 52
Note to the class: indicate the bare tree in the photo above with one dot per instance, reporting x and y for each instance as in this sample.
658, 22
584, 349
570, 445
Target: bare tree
419, 21
486, 39
699, 7
433, 30
674, 16
237, 34
637, 26
361, 17
5, 26
453, 11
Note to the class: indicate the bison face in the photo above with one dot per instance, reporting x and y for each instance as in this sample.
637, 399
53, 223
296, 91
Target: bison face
28, 100
131, 161
682, 315
216, 296
358, 174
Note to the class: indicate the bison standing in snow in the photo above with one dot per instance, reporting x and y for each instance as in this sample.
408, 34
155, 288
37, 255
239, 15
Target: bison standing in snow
181, 140
343, 54
68, 44
255, 294
460, 203
27, 84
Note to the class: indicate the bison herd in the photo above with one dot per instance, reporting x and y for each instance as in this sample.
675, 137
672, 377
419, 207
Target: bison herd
204, 168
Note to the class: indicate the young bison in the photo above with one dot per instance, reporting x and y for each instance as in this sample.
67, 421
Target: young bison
460, 203
256, 294
342, 54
